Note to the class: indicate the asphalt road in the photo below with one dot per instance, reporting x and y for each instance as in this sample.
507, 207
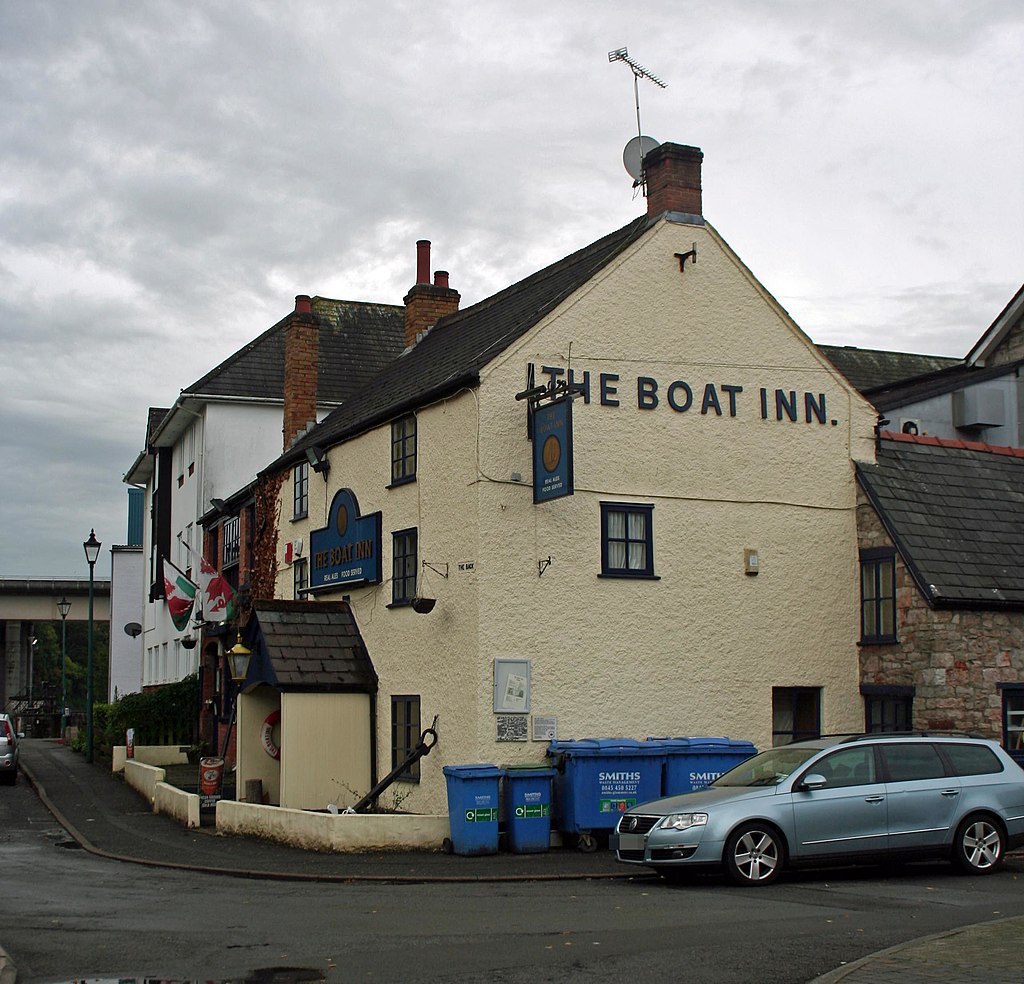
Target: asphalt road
65, 914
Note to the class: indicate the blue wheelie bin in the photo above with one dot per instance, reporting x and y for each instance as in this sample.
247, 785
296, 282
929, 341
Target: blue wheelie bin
528, 808
693, 763
600, 778
472, 808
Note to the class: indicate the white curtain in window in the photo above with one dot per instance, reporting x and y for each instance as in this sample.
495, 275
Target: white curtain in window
617, 540
637, 541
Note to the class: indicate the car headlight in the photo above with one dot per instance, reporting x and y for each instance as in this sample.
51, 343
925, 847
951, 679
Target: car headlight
683, 821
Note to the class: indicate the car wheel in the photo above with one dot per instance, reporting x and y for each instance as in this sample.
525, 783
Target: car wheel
978, 847
754, 854
10, 778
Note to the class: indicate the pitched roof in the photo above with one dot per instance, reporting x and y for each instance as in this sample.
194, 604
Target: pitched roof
955, 510
868, 369
453, 352
311, 646
939, 383
357, 339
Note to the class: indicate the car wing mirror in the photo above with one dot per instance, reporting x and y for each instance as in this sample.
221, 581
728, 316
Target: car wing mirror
813, 781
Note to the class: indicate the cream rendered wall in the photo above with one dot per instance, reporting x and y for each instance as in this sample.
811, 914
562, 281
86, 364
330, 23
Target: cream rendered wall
697, 651
252, 762
435, 655
325, 749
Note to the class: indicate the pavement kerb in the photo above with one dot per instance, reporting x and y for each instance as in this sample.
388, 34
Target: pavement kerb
297, 876
841, 973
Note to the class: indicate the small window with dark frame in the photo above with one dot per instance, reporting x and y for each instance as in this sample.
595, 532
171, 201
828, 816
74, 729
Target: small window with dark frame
403, 567
405, 733
300, 485
403, 450
231, 541
627, 539
300, 577
887, 709
878, 595
796, 714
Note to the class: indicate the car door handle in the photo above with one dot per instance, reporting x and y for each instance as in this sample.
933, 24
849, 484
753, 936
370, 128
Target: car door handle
950, 792
874, 799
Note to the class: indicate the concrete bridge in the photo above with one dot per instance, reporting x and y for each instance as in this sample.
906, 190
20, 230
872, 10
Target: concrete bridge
24, 601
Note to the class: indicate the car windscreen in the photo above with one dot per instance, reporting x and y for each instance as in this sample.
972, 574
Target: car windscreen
767, 769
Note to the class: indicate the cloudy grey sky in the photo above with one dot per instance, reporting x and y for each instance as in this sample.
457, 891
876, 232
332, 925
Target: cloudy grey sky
173, 173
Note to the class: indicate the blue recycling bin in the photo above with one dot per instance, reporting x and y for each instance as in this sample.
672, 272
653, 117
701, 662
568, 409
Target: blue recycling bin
693, 763
528, 808
473, 808
600, 778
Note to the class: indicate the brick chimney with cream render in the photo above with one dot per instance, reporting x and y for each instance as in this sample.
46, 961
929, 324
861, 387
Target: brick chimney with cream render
301, 366
673, 179
426, 302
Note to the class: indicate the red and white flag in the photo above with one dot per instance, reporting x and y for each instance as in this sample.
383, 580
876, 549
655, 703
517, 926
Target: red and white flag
218, 599
180, 594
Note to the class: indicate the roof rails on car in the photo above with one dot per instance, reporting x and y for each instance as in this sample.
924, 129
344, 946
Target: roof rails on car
909, 734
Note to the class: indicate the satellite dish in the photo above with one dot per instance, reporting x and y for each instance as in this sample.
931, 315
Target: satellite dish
133, 629
633, 156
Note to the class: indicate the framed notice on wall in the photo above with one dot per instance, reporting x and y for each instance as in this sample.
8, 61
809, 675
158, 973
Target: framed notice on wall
511, 686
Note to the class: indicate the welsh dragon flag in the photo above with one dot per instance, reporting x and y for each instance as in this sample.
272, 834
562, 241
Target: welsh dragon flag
218, 600
180, 593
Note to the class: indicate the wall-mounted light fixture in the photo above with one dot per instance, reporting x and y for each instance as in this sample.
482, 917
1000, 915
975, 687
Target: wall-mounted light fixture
318, 461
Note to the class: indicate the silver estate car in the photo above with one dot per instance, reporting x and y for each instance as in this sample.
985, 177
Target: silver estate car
8, 751
838, 801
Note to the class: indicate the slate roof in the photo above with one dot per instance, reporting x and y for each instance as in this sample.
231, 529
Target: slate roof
869, 369
153, 420
955, 510
451, 355
310, 646
357, 339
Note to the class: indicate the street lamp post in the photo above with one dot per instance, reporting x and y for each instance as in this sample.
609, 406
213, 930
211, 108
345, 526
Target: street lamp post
92, 552
63, 606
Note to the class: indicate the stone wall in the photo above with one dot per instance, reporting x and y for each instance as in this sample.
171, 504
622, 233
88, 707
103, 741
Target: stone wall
954, 658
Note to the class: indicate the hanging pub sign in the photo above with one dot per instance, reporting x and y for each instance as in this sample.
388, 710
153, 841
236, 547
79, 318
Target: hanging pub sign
348, 549
552, 450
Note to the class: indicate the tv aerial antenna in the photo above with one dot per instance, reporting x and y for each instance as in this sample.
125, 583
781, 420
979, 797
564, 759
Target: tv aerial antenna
640, 146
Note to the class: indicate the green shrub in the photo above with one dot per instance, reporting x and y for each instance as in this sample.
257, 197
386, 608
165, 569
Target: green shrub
164, 716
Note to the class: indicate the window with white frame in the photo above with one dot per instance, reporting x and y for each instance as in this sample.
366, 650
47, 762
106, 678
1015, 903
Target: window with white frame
627, 539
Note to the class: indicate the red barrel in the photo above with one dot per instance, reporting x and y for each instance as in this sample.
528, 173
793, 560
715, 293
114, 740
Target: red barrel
211, 774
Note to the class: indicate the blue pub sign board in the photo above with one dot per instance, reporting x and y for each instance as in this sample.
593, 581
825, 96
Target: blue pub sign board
348, 549
552, 451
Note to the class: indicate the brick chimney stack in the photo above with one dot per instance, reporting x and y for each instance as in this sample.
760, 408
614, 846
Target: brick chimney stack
301, 366
673, 179
426, 302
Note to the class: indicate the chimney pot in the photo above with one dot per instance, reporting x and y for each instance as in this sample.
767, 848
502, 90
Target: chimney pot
303, 304
440, 278
423, 261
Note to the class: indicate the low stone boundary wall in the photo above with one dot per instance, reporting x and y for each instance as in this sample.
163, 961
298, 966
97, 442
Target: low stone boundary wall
162, 796
176, 803
147, 755
332, 832
143, 778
